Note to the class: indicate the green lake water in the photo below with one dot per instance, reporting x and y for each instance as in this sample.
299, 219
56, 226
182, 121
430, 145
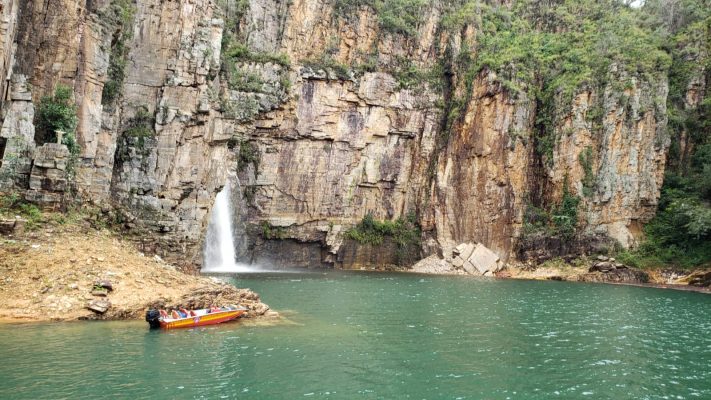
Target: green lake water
383, 336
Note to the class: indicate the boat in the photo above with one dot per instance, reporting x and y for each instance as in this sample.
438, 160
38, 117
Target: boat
183, 318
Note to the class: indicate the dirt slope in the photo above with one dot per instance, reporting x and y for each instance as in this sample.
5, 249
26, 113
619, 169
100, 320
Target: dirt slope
49, 274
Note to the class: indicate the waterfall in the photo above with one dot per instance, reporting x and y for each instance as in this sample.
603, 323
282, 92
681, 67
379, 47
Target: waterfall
219, 252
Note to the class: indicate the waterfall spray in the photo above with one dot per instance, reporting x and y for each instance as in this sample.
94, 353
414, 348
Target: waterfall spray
219, 253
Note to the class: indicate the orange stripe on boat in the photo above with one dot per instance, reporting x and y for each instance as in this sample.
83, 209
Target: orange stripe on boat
202, 320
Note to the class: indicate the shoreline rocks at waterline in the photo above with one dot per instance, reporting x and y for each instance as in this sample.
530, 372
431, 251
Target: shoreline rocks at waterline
610, 270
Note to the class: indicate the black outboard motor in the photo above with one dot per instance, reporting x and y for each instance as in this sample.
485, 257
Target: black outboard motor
153, 318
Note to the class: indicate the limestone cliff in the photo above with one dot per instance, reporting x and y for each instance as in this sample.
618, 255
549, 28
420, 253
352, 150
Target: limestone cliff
320, 114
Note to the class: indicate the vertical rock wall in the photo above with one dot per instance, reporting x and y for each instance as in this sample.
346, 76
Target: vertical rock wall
313, 150
483, 182
628, 151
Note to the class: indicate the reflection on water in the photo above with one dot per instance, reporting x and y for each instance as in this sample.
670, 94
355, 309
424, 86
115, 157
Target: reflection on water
380, 336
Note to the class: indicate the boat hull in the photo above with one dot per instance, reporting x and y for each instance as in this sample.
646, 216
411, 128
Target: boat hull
202, 320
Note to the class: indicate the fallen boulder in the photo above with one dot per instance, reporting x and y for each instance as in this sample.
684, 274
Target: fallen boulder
603, 266
99, 306
435, 265
466, 258
484, 259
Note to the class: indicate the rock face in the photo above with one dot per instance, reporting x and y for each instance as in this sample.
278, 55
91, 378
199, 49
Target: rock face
14, 226
700, 279
48, 179
628, 155
620, 275
609, 270
310, 145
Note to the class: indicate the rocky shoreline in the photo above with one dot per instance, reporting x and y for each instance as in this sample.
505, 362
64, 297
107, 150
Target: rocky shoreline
74, 272
474, 259
65, 272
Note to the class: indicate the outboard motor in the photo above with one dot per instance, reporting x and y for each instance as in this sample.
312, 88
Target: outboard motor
153, 318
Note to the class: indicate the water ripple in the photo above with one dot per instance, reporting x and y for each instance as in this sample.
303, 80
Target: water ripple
379, 336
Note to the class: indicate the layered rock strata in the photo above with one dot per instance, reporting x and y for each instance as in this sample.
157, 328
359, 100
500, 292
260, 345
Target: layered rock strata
315, 143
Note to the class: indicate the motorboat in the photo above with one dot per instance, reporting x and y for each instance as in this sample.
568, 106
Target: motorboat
182, 318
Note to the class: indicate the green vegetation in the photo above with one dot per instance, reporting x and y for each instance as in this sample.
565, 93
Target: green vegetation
238, 52
140, 126
585, 158
270, 232
243, 109
400, 16
12, 204
551, 52
234, 12
119, 17
371, 231
251, 90
560, 220
395, 16
410, 76
248, 154
57, 113
680, 234
565, 214
327, 63
70, 213
245, 81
